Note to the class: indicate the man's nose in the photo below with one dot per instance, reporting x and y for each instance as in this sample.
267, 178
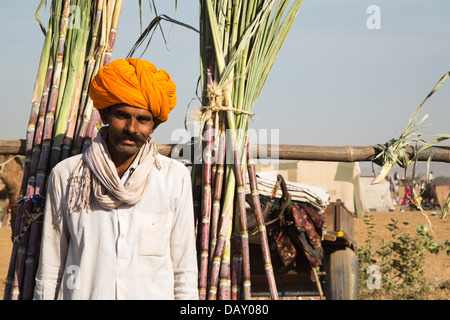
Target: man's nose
131, 125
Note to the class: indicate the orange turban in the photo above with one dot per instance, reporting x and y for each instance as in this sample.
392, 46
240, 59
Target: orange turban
137, 83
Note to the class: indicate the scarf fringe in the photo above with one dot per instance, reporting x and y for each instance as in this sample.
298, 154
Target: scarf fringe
80, 189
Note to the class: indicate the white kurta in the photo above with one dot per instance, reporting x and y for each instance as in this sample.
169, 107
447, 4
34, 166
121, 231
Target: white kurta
146, 251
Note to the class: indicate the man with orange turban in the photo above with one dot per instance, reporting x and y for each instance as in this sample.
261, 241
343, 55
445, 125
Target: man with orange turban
119, 220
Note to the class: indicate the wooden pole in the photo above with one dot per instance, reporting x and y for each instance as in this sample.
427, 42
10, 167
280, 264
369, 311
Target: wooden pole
13, 146
280, 152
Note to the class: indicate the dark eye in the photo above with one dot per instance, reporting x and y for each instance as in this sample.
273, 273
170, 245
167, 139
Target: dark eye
145, 119
121, 115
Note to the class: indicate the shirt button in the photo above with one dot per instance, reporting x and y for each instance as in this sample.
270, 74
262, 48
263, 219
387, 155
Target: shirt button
122, 236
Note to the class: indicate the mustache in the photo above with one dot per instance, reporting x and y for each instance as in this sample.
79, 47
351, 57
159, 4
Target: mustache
131, 137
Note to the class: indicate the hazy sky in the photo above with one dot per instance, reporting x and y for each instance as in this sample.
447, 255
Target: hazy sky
335, 82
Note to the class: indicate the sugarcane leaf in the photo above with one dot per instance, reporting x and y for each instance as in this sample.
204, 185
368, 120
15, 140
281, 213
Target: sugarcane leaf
432, 143
36, 15
445, 207
150, 31
436, 87
140, 15
220, 59
277, 32
245, 39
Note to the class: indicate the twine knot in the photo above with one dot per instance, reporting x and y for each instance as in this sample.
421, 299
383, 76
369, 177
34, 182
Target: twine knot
392, 152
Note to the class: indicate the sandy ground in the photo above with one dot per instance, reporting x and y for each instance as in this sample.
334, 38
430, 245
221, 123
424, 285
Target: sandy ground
5, 254
437, 266
437, 269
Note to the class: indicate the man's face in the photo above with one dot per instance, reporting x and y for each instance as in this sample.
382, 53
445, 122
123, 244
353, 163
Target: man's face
128, 129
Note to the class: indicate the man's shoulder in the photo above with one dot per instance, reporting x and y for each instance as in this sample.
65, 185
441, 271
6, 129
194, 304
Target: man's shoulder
66, 166
172, 164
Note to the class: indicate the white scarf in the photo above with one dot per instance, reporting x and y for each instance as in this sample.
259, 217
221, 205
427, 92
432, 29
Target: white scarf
98, 173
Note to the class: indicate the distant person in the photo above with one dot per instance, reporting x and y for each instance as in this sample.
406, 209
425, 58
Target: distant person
396, 187
406, 198
422, 186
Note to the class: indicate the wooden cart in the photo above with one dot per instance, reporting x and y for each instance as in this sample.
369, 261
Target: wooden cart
337, 277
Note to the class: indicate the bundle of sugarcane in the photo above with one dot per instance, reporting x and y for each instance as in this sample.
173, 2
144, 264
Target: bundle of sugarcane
79, 39
239, 44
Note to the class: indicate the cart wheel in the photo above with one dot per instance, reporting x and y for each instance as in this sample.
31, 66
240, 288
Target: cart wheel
341, 274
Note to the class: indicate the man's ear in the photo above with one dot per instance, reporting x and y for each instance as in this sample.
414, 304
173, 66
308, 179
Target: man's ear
104, 115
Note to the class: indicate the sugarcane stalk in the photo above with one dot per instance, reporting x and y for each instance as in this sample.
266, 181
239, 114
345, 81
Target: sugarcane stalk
91, 119
88, 119
206, 209
86, 102
72, 121
41, 176
79, 64
93, 127
236, 267
218, 185
197, 196
225, 273
261, 226
109, 31
39, 89
40, 92
63, 47
113, 31
68, 108
220, 61
83, 123
38, 102
23, 236
22, 243
31, 258
17, 229
242, 211
28, 206
215, 147
214, 274
225, 269
241, 33
225, 223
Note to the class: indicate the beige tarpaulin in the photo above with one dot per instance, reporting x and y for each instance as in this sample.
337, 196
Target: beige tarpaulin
341, 180
375, 197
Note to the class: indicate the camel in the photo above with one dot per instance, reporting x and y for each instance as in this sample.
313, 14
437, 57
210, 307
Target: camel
11, 173
429, 196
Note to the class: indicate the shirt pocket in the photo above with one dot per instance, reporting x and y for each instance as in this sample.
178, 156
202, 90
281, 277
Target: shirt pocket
154, 233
